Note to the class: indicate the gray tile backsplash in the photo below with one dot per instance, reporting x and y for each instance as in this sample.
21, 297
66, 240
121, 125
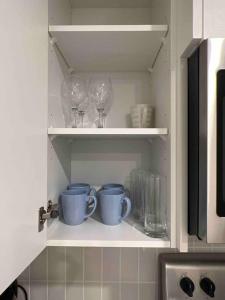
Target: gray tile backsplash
92, 264
38, 269
129, 265
196, 245
148, 265
147, 289
92, 291
110, 291
71, 273
56, 264
74, 291
111, 265
38, 290
92, 274
129, 291
74, 264
56, 291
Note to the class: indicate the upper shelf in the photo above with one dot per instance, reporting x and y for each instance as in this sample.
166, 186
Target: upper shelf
115, 48
108, 132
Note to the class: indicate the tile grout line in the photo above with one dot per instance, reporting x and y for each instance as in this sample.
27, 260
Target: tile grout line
29, 285
83, 267
138, 271
47, 290
95, 282
120, 274
101, 278
65, 269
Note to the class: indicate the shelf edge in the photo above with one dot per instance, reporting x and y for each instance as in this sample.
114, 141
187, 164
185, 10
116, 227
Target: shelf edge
111, 244
108, 28
108, 131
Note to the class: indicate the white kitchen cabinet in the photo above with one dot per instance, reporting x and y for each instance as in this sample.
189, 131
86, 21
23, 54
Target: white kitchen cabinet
43, 157
23, 119
124, 46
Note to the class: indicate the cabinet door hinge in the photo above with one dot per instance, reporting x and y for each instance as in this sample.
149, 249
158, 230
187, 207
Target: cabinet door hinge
51, 213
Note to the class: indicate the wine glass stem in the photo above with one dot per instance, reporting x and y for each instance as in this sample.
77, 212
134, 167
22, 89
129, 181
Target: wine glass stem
100, 118
81, 113
75, 113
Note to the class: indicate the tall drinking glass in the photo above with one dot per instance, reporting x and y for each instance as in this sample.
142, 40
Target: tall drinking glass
155, 219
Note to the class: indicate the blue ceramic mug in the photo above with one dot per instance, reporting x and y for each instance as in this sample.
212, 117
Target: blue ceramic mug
111, 206
75, 204
82, 187
114, 187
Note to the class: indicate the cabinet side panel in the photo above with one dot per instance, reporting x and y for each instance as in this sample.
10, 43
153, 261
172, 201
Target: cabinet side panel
59, 154
23, 123
160, 81
60, 12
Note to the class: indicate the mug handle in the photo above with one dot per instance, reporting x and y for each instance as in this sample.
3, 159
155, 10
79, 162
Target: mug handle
93, 191
128, 209
127, 192
94, 207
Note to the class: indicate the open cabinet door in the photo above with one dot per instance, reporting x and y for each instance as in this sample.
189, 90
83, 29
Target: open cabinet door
23, 123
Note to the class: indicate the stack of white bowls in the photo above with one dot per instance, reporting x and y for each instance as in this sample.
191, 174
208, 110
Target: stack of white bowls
142, 116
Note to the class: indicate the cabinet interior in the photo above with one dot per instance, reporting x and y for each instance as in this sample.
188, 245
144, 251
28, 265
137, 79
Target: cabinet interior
98, 160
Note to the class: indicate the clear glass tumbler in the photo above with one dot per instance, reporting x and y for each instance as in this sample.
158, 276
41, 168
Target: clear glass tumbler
155, 215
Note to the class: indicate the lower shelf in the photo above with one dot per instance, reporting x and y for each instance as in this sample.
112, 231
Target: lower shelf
94, 234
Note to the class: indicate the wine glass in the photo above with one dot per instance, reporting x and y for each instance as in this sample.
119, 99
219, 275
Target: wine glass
66, 103
100, 91
77, 90
82, 109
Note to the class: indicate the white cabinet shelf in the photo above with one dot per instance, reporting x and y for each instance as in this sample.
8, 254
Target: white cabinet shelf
94, 234
108, 132
124, 48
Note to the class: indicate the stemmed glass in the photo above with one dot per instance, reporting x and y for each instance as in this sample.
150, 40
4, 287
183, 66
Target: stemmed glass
82, 109
66, 103
100, 91
77, 92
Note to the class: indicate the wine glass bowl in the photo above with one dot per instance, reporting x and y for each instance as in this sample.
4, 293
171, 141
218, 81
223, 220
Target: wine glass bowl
66, 103
100, 92
77, 92
82, 100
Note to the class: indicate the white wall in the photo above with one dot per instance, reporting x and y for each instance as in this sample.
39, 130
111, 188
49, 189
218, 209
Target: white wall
103, 161
214, 21
110, 16
109, 3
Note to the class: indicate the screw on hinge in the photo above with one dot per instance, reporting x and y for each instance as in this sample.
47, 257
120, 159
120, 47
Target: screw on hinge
51, 213
41, 220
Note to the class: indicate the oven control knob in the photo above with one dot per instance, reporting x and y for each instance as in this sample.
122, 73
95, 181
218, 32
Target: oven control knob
187, 285
208, 286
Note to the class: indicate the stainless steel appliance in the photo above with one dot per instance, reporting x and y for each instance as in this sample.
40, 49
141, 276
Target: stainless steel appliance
198, 276
206, 141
